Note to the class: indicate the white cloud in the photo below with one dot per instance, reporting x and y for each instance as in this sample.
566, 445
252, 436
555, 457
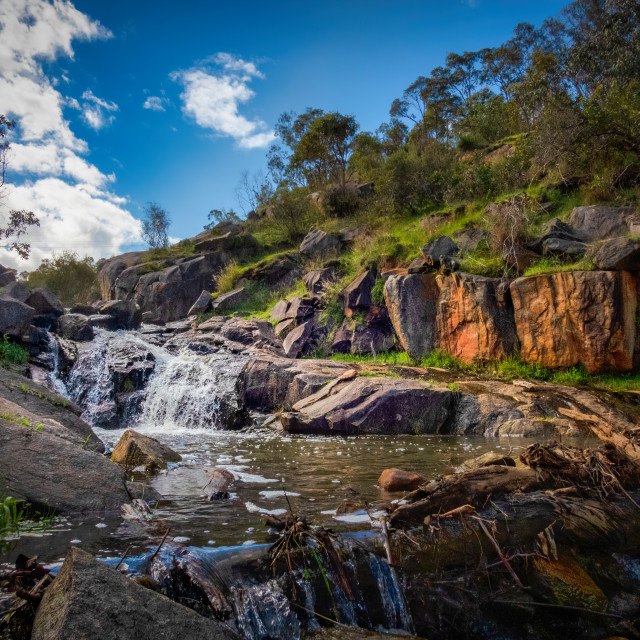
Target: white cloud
69, 194
155, 103
95, 111
212, 97
72, 216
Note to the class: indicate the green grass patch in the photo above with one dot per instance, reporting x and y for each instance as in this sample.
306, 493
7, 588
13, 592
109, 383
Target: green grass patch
12, 353
551, 265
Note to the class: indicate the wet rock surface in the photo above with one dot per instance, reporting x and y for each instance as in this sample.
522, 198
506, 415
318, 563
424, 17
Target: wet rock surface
135, 449
89, 599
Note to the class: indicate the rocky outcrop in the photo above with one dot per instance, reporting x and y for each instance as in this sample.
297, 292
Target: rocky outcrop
16, 290
230, 300
617, 254
580, 317
45, 302
474, 319
317, 242
201, 305
602, 222
15, 317
356, 296
372, 405
465, 315
167, 288
317, 280
7, 276
137, 450
90, 600
74, 326
270, 383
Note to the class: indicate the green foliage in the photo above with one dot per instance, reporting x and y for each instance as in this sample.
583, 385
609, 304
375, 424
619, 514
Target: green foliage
74, 280
11, 353
11, 515
549, 265
377, 293
227, 278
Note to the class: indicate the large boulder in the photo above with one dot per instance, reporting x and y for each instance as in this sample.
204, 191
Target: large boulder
299, 340
563, 248
317, 242
278, 271
112, 268
412, 305
53, 474
474, 318
602, 222
441, 247
230, 300
90, 600
356, 297
15, 317
201, 305
125, 314
228, 242
580, 317
17, 290
135, 450
317, 280
465, 315
268, 383
468, 240
372, 405
74, 326
617, 254
7, 276
45, 302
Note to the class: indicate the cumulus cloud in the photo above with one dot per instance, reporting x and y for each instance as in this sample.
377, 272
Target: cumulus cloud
213, 93
155, 103
95, 111
70, 195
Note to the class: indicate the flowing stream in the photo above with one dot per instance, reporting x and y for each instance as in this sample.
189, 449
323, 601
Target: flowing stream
184, 404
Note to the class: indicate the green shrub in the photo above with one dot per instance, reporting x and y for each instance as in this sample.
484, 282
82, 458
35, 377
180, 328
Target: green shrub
11, 353
10, 514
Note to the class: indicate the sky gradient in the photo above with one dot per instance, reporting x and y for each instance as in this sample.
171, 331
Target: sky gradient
120, 103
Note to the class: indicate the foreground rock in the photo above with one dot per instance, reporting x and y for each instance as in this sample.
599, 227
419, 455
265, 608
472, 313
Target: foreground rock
90, 600
56, 476
580, 317
137, 450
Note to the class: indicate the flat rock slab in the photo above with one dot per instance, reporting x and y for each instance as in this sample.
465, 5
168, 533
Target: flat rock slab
89, 600
375, 405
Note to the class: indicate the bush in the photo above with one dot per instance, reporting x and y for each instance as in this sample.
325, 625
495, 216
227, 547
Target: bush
377, 293
11, 353
293, 213
74, 280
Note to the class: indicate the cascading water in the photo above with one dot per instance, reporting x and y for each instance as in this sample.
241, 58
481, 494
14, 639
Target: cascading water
193, 391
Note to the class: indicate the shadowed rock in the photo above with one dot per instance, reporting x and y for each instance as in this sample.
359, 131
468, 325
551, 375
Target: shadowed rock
89, 600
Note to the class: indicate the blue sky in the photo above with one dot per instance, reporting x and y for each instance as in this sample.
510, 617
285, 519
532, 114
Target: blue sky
119, 103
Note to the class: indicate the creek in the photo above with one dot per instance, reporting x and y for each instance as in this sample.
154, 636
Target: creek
184, 404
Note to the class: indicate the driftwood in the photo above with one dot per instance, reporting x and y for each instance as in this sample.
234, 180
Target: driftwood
471, 487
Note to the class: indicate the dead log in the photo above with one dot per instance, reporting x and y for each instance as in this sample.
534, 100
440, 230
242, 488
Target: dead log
471, 487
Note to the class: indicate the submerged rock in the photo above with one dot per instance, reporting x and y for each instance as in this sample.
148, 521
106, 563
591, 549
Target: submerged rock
135, 449
90, 600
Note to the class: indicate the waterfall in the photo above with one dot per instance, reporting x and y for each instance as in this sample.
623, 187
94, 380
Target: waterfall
111, 382
193, 391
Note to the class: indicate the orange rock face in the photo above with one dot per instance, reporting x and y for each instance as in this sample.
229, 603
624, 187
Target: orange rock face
462, 314
474, 321
399, 480
580, 317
